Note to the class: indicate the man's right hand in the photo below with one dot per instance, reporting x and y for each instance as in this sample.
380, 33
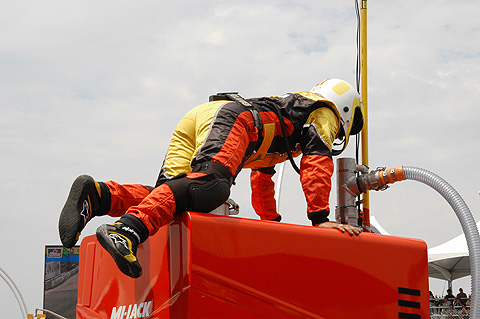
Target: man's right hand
352, 230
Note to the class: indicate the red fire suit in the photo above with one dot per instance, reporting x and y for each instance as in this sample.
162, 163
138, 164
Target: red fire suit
215, 140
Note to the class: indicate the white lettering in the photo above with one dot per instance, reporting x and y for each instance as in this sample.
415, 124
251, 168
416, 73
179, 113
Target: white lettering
146, 308
140, 311
134, 311
133, 314
128, 312
117, 314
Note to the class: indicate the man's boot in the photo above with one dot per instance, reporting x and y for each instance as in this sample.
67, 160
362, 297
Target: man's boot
87, 198
121, 240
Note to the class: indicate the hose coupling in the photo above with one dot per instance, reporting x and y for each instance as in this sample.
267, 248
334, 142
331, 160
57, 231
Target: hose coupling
377, 180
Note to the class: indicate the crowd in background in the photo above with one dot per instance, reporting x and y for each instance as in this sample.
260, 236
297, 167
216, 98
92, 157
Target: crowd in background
450, 306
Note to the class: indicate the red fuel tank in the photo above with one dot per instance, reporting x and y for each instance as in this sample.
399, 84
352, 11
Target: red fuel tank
208, 266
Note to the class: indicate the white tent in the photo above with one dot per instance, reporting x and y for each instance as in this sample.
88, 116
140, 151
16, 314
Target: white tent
376, 227
450, 260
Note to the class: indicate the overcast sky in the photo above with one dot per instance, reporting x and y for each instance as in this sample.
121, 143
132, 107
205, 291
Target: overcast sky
91, 87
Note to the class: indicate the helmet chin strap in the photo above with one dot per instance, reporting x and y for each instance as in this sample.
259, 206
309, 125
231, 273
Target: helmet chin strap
340, 134
339, 151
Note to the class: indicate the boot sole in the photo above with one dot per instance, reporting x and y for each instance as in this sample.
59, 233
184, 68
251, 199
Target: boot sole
125, 266
70, 219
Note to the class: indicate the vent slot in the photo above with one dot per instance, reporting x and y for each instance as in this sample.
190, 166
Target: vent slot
408, 291
404, 315
413, 305
410, 304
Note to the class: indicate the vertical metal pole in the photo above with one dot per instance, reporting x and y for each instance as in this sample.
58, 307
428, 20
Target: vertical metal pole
363, 94
16, 292
278, 186
346, 212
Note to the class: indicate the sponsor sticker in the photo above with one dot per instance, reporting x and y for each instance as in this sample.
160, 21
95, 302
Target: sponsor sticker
54, 253
133, 311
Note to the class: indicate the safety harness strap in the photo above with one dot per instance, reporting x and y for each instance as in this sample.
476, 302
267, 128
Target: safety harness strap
275, 108
233, 96
260, 154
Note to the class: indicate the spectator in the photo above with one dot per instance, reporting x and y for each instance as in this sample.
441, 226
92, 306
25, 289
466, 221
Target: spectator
449, 295
451, 312
469, 301
432, 299
457, 303
446, 302
462, 296
464, 313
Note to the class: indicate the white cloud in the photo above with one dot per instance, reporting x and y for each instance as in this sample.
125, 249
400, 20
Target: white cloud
97, 88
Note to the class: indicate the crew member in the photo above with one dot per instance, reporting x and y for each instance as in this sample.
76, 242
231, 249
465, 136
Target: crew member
209, 147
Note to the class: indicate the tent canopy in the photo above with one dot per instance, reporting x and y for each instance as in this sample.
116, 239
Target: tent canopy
448, 261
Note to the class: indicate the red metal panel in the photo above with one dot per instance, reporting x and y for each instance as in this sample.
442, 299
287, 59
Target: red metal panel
85, 282
284, 271
207, 266
114, 295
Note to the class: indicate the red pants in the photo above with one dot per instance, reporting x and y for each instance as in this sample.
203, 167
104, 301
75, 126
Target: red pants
154, 208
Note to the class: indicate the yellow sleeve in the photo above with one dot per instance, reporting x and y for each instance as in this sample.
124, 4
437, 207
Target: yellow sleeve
326, 124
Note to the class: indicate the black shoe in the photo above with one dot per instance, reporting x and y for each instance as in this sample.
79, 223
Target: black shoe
83, 203
121, 242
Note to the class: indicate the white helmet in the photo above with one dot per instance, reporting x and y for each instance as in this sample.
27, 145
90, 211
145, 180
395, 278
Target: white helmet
348, 103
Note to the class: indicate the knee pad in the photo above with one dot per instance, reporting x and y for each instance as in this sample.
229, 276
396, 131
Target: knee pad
206, 197
200, 194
